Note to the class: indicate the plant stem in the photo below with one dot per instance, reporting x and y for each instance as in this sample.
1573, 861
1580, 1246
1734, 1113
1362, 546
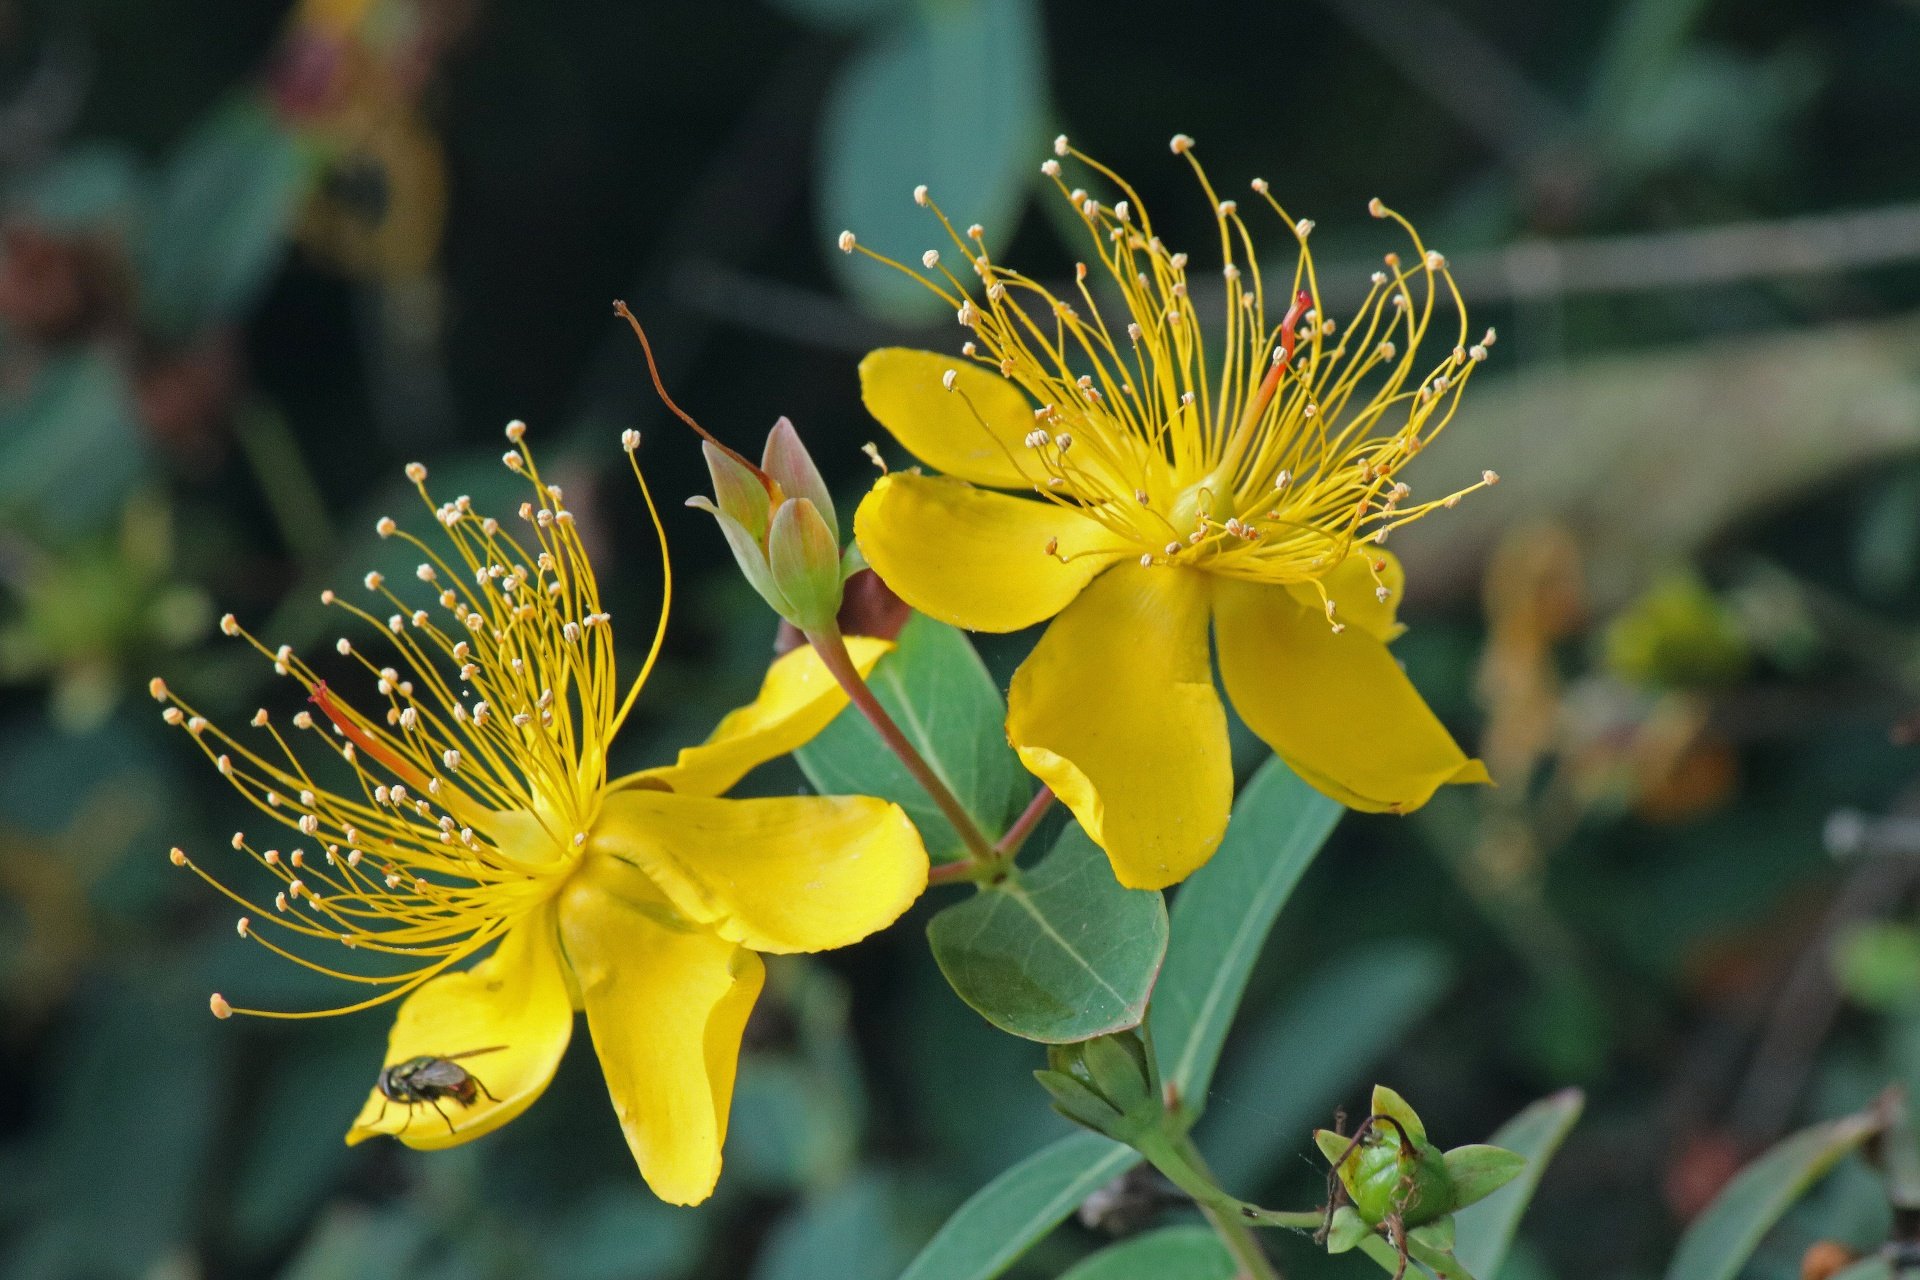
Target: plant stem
1176, 1157
832, 648
1024, 824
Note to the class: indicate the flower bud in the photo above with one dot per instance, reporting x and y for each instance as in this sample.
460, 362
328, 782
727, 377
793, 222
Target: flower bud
1392, 1173
780, 524
1107, 1084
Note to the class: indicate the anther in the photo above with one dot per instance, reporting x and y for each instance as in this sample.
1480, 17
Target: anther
385, 526
416, 472
158, 688
173, 715
931, 258
1489, 478
218, 1004
1303, 228
1051, 168
1259, 185
949, 378
629, 439
229, 624
920, 198
846, 242
516, 430
177, 856
1060, 145
1436, 260
1229, 207
1376, 207
1181, 144
1053, 546
344, 646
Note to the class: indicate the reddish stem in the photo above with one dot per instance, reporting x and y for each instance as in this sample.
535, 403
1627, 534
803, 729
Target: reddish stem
832, 649
1024, 824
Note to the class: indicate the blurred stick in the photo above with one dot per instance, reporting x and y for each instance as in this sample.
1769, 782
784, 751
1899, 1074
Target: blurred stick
1529, 270
1463, 72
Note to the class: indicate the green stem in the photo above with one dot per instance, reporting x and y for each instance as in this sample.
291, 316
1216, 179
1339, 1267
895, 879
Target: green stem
1180, 1161
982, 858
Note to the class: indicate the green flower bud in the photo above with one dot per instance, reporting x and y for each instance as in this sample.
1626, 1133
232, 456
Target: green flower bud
1107, 1084
1392, 1172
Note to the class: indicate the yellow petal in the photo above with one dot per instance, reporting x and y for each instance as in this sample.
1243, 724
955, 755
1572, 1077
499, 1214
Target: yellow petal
1115, 709
976, 431
975, 558
1354, 587
790, 873
505, 1022
796, 701
666, 1003
1335, 707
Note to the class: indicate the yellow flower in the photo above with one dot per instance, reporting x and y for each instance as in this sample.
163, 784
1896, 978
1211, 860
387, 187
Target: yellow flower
474, 809
1252, 491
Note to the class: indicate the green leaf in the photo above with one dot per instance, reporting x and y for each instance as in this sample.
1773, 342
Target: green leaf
1171, 1253
1479, 1170
1485, 1230
938, 691
1437, 1235
1221, 919
1719, 1242
891, 124
71, 448
1292, 1067
1348, 1228
1058, 952
1388, 1102
1868, 1269
224, 209
1009, 1215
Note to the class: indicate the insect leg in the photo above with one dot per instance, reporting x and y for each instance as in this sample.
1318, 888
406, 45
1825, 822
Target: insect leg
435, 1104
482, 1086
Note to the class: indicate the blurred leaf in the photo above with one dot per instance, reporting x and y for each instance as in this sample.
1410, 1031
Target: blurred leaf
1056, 952
852, 1234
937, 690
1222, 916
1009, 1215
222, 214
1718, 1243
124, 1154
292, 1154
70, 450
1886, 542
1677, 634
84, 187
355, 1244
1868, 1269
1877, 963
1291, 1067
1483, 1232
621, 1233
1171, 1253
894, 121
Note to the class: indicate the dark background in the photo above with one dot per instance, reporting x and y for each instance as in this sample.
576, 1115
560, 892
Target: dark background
253, 259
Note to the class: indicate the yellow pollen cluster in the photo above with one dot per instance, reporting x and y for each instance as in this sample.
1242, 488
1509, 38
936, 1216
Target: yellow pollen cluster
1274, 461
463, 802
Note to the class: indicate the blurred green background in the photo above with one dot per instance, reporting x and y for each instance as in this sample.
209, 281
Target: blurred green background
254, 257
